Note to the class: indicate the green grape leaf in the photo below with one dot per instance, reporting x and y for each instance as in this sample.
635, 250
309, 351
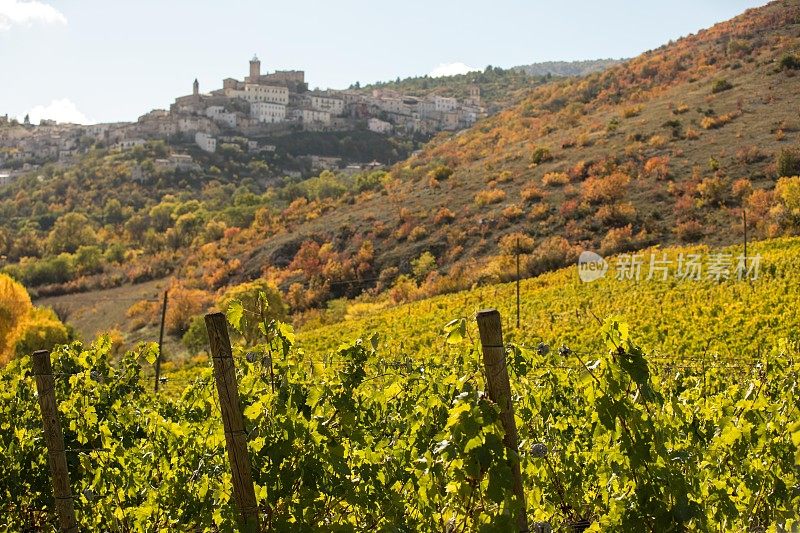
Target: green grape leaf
234, 314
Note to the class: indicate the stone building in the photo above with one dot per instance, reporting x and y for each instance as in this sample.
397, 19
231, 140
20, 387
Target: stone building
205, 141
379, 126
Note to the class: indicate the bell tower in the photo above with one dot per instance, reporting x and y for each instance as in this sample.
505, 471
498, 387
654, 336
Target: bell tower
255, 69
475, 94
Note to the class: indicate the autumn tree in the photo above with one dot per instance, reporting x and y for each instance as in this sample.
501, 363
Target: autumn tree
42, 331
787, 191
248, 294
70, 232
184, 303
23, 327
423, 265
112, 212
161, 216
15, 308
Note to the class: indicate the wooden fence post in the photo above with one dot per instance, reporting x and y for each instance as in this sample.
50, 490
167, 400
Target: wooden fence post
54, 438
517, 252
235, 437
161, 340
494, 362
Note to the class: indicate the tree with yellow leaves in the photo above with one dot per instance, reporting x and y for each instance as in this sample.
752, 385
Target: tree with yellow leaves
23, 327
15, 307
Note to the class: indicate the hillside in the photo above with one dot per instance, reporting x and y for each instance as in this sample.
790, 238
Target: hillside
666, 148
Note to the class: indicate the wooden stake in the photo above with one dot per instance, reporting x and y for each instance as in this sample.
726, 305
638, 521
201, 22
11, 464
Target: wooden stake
54, 438
161, 340
235, 437
499, 388
517, 250
744, 223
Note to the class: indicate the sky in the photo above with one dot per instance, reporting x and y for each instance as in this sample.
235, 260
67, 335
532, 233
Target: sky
93, 61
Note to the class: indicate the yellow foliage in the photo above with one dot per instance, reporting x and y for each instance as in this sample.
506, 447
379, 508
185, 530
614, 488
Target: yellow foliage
788, 189
714, 122
142, 313
555, 178
41, 331
512, 243
23, 327
15, 309
489, 196
531, 193
184, 303
512, 212
631, 111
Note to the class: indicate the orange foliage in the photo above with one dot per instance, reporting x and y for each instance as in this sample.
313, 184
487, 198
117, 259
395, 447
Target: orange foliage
142, 313
443, 216
657, 167
621, 240
616, 214
555, 178
512, 212
607, 189
489, 196
689, 231
185, 303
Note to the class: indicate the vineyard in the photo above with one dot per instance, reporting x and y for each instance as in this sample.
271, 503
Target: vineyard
395, 432
728, 320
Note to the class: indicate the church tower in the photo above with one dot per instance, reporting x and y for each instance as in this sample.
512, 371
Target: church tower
255, 69
196, 87
475, 94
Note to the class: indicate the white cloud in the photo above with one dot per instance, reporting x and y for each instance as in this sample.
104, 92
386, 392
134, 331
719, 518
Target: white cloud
451, 69
59, 110
28, 13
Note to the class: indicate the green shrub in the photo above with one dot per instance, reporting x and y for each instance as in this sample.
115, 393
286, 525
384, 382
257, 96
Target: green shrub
196, 337
370, 181
790, 62
88, 260
721, 85
540, 155
788, 163
442, 172
58, 269
423, 265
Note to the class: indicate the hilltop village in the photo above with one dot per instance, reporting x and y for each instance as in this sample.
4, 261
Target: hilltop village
262, 105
